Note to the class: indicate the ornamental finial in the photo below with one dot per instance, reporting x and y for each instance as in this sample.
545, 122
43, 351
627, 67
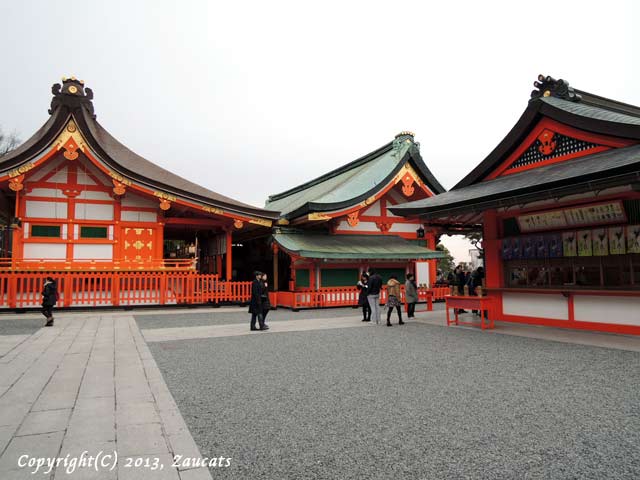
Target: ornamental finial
73, 94
550, 87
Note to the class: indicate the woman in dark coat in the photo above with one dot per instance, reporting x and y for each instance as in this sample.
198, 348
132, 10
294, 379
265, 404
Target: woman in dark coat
49, 299
266, 304
363, 301
255, 305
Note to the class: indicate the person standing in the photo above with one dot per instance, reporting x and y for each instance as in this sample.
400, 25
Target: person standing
373, 294
49, 299
266, 304
411, 295
393, 299
363, 301
255, 305
461, 281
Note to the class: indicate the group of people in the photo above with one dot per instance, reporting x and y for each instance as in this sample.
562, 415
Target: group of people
460, 278
259, 305
369, 287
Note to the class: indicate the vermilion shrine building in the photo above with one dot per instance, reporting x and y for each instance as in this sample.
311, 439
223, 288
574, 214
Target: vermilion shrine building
334, 227
106, 222
558, 201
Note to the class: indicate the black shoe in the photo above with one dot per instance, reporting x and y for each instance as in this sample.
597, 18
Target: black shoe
389, 324
366, 319
49, 323
400, 322
264, 328
254, 329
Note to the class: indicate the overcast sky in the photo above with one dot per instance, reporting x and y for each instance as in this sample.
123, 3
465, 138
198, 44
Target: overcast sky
253, 98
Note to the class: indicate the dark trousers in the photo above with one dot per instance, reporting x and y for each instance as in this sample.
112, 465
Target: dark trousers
411, 309
390, 310
366, 311
264, 315
47, 311
260, 318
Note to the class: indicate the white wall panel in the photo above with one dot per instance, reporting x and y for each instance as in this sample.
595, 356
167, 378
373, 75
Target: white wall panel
89, 211
92, 251
45, 169
50, 251
45, 192
601, 309
59, 177
406, 228
360, 227
538, 305
133, 216
422, 273
37, 209
373, 210
94, 195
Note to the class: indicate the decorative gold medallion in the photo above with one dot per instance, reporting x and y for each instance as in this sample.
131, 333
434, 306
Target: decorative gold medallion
73, 89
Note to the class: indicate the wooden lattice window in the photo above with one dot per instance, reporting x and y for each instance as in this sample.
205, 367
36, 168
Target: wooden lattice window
49, 231
93, 232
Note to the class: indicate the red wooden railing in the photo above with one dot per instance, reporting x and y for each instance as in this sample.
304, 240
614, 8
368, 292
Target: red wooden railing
343, 297
47, 264
120, 289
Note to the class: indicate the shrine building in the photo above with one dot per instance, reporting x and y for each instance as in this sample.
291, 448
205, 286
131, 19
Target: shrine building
336, 226
558, 201
74, 199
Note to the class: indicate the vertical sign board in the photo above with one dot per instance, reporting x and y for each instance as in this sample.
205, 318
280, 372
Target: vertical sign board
422, 273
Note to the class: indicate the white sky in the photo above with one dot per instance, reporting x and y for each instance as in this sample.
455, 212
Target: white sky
252, 98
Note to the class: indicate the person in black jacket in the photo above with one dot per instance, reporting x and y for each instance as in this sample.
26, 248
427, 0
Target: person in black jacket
266, 303
255, 305
49, 299
373, 295
363, 301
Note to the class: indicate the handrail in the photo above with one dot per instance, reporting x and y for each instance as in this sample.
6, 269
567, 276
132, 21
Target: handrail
83, 264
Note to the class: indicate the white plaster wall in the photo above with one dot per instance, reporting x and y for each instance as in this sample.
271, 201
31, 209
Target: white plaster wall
422, 273
360, 227
132, 216
553, 306
92, 251
45, 192
50, 251
131, 200
405, 228
601, 309
37, 209
44, 170
59, 177
88, 211
94, 195
373, 210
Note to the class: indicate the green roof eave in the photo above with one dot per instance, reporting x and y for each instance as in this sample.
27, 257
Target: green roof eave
354, 247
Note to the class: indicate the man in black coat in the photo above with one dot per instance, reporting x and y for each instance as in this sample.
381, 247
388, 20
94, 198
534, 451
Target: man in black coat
49, 299
255, 306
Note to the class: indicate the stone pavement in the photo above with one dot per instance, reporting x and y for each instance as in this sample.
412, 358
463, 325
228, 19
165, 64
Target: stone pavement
89, 384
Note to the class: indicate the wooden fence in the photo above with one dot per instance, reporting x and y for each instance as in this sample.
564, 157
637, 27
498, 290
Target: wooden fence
95, 289
23, 290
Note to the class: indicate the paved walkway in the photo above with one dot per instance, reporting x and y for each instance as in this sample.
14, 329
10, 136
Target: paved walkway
89, 385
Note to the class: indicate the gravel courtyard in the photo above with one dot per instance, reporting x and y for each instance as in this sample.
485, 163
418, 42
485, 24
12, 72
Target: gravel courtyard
417, 401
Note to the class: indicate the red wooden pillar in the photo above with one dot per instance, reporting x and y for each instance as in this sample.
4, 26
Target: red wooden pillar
275, 250
490, 244
312, 276
431, 238
229, 255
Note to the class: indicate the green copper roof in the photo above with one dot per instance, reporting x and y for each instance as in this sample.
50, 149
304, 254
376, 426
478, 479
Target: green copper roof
352, 182
353, 247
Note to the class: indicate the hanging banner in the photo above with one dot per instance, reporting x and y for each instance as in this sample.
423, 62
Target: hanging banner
528, 247
542, 247
585, 246
600, 242
616, 241
506, 249
633, 238
554, 244
569, 244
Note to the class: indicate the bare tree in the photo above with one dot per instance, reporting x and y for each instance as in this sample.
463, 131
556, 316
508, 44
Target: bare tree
8, 141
